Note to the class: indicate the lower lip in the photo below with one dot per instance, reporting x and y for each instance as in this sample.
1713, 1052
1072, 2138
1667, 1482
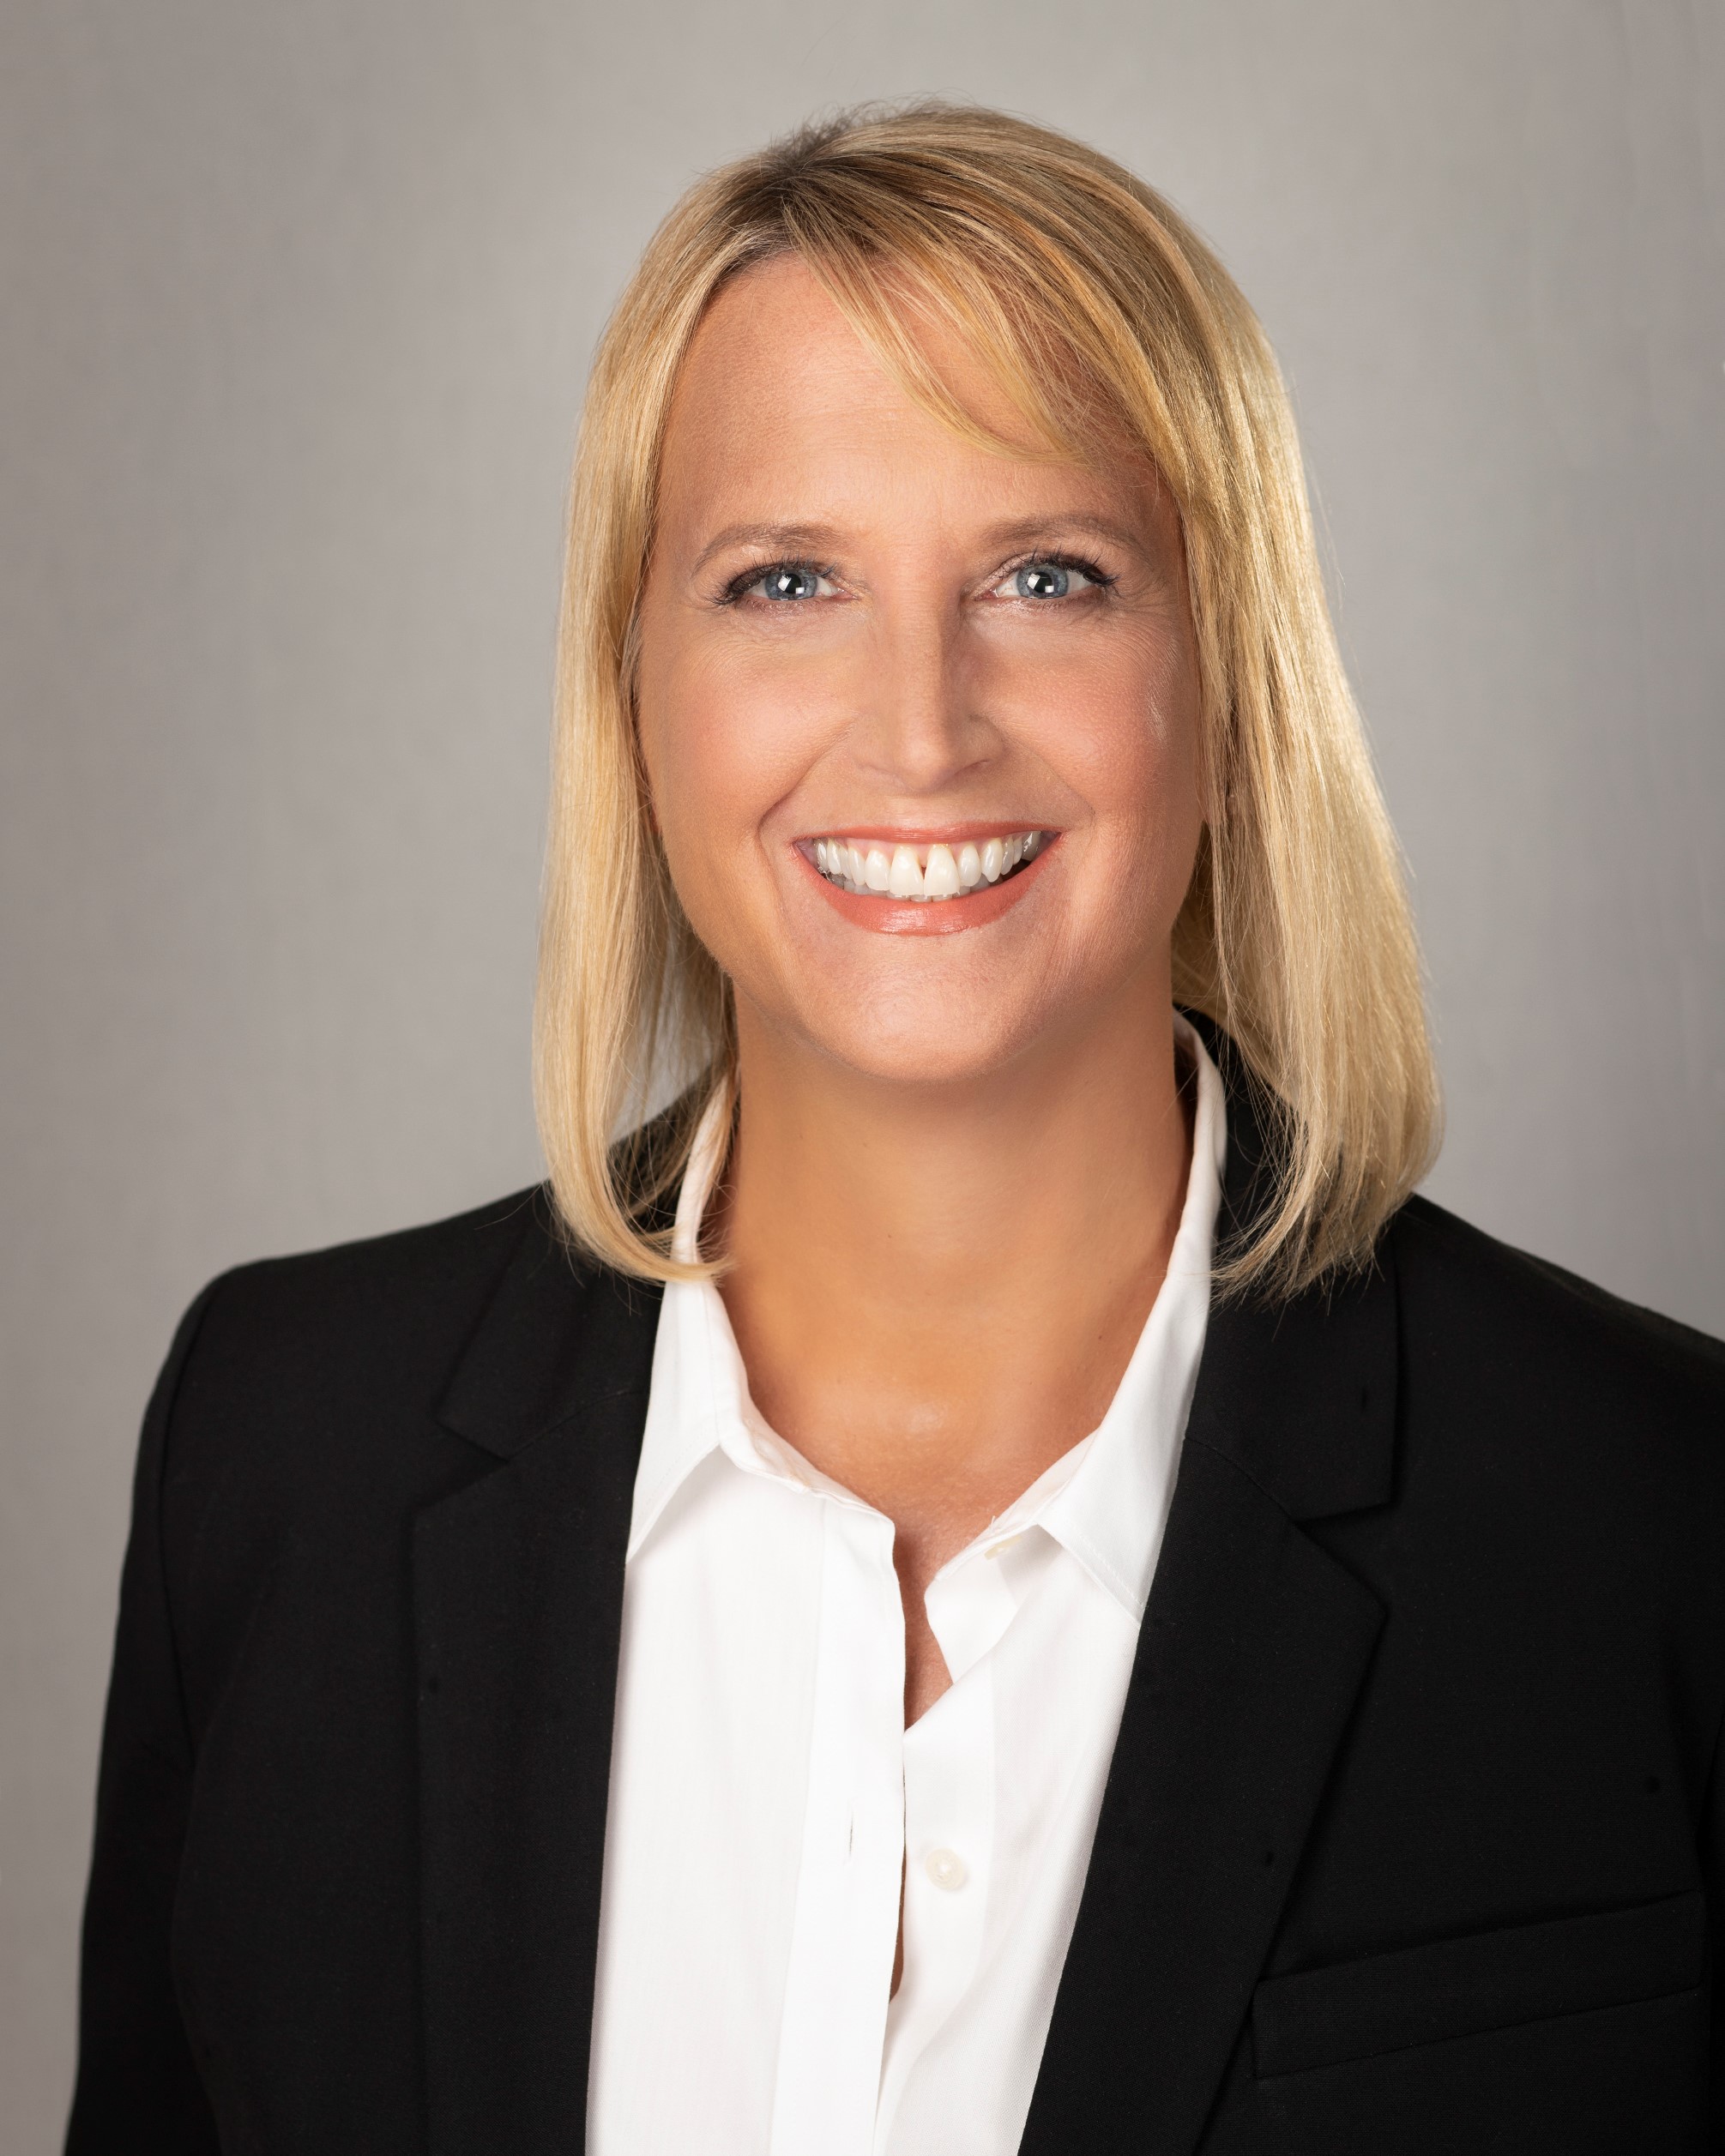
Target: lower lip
928, 917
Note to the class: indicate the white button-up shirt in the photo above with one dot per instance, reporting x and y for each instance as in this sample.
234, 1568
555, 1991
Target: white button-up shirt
768, 1804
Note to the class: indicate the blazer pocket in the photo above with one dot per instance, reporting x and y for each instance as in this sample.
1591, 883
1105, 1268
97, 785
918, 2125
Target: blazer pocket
1487, 1980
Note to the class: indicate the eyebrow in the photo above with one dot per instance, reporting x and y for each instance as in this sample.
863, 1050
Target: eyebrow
816, 539
1025, 531
790, 538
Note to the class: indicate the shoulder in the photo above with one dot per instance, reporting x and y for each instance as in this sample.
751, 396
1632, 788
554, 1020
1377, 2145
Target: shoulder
1465, 1294
298, 1379
1539, 1381
381, 1307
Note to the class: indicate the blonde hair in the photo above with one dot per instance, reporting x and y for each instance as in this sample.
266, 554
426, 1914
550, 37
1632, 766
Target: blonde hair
1102, 315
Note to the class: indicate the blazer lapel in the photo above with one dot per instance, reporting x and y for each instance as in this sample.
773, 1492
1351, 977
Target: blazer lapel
1253, 1649
518, 1581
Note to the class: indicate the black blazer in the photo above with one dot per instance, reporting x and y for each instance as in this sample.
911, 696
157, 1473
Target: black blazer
1413, 1839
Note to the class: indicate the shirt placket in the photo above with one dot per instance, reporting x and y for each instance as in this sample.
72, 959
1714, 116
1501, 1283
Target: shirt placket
845, 1927
951, 1779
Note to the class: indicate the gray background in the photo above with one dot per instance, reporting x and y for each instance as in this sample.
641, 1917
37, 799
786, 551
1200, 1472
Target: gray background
297, 305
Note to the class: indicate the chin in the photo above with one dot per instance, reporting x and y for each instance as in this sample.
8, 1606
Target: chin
924, 1041
908, 1068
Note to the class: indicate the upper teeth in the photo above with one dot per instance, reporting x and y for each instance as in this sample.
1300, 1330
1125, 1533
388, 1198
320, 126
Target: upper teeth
922, 871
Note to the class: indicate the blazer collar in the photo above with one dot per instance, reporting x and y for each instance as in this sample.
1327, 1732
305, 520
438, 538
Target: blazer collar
558, 1340
1301, 1395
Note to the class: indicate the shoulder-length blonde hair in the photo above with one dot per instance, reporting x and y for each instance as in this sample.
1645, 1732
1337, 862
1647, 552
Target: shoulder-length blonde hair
1105, 318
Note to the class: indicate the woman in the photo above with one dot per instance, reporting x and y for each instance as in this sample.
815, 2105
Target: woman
988, 1579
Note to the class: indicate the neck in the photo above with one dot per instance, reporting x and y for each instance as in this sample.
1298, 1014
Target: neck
935, 1289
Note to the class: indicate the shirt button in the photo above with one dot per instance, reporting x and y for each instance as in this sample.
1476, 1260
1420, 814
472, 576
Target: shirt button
946, 1868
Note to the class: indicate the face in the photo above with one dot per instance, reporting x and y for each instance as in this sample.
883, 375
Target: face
920, 719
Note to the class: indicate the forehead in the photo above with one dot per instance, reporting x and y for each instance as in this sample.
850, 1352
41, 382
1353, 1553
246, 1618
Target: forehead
778, 394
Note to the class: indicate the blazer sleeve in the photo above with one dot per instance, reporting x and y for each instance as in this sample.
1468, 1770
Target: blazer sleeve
137, 2088
1713, 1863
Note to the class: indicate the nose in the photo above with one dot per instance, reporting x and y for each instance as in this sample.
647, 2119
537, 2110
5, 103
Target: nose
919, 731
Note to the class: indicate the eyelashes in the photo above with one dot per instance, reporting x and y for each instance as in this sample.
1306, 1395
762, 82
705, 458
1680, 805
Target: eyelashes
790, 569
1064, 565
800, 576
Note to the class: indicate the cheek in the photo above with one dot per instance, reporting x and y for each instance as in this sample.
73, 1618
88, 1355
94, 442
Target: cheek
722, 742
1122, 731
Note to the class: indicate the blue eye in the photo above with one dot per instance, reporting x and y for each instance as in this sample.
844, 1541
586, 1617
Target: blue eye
781, 583
788, 581
1042, 580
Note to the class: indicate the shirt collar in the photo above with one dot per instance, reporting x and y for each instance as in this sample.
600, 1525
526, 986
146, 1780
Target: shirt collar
698, 1398
1106, 1501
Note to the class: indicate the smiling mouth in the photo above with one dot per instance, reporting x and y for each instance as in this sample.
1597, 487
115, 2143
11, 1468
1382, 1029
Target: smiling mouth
930, 873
